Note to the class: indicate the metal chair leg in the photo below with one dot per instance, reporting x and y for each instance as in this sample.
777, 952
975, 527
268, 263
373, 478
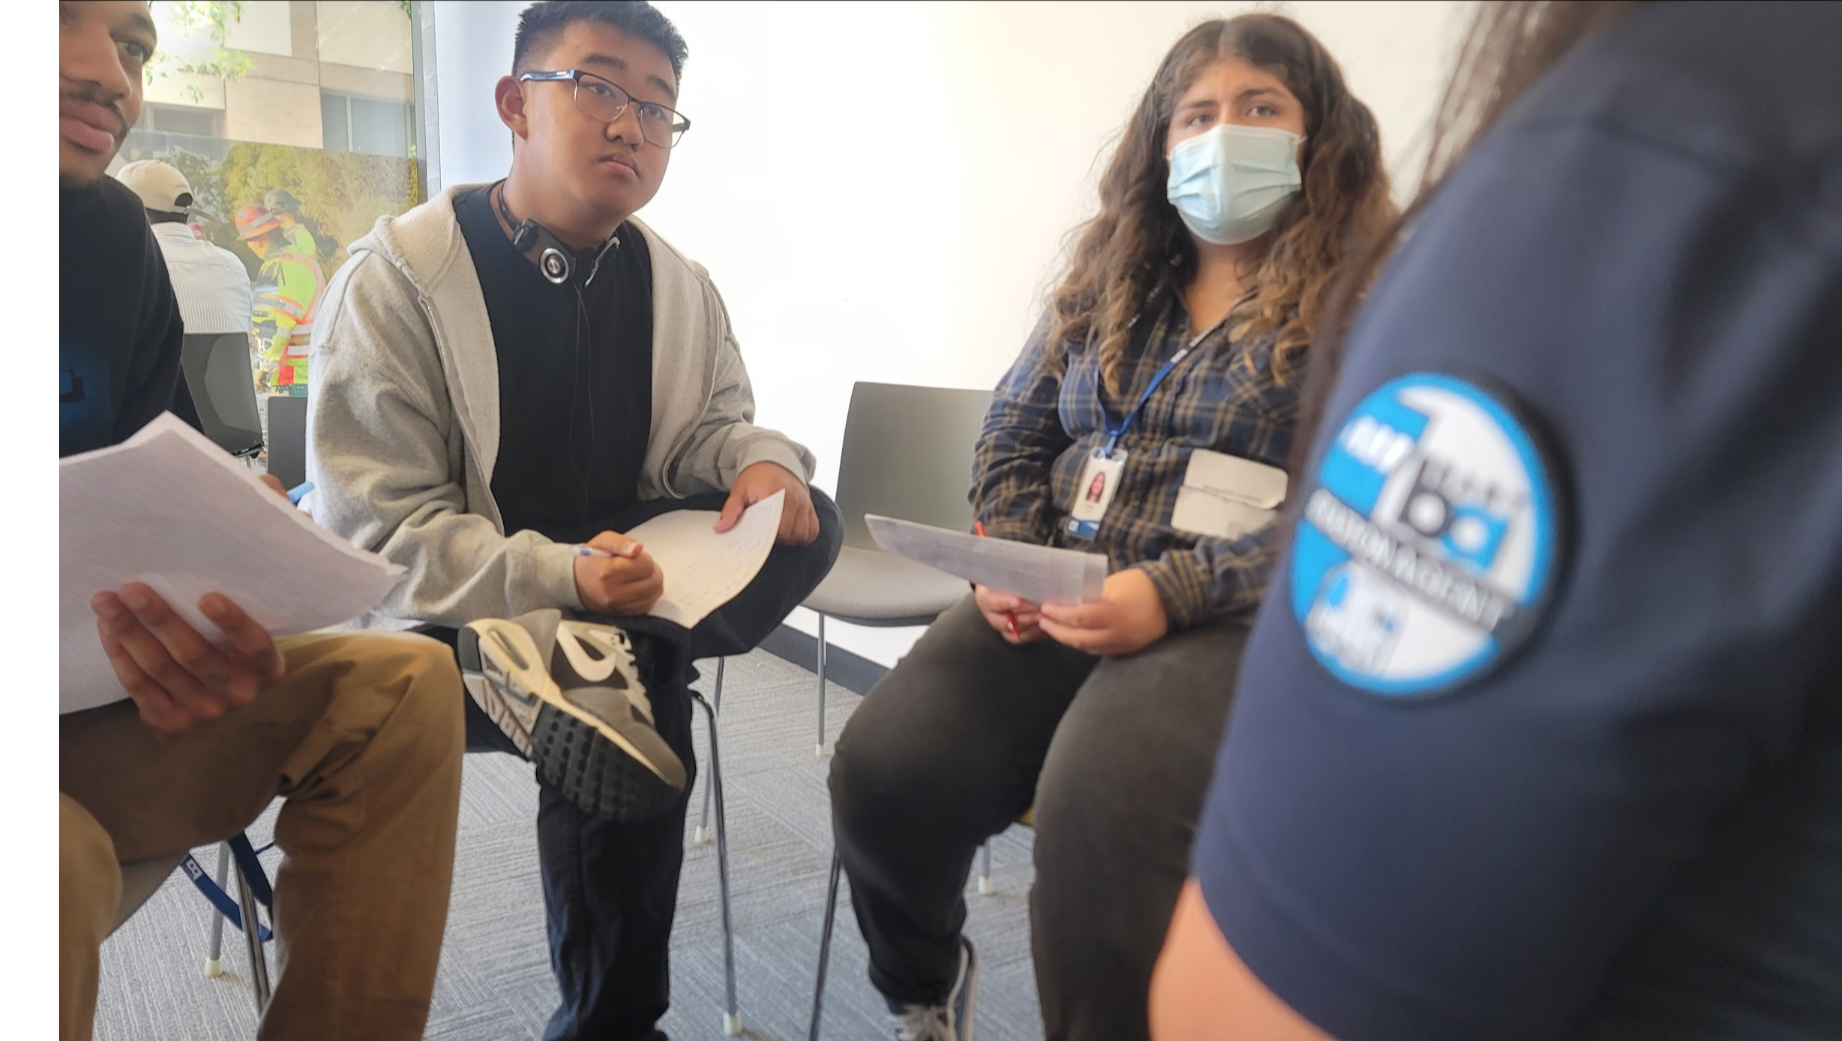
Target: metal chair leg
985, 886
214, 962
831, 913
819, 751
702, 836
252, 939
732, 1017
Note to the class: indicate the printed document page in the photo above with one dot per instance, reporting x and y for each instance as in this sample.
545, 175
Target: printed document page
704, 570
1041, 574
170, 509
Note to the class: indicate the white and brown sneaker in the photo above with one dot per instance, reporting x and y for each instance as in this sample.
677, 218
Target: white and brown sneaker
569, 695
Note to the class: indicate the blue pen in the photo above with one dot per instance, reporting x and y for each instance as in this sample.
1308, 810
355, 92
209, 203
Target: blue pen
590, 551
299, 492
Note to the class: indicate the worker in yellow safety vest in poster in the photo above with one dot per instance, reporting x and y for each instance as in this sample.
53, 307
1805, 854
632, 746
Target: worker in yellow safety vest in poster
287, 210
287, 290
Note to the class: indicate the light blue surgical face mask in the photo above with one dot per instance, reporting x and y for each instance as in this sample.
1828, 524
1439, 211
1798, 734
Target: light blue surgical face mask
1231, 183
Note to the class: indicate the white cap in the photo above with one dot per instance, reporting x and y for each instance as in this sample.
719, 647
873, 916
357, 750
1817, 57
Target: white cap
160, 185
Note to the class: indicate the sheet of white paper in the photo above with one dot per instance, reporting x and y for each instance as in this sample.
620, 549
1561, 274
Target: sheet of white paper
1042, 574
169, 508
704, 570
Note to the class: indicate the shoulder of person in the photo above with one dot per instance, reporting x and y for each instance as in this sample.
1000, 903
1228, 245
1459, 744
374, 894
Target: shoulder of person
119, 212
423, 242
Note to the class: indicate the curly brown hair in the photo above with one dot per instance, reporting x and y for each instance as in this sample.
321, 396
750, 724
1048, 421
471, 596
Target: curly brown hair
1120, 255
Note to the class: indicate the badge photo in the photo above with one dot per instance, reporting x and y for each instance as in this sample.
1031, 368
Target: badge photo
1429, 545
1094, 492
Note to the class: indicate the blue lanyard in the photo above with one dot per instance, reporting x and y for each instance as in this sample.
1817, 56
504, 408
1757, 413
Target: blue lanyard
1115, 433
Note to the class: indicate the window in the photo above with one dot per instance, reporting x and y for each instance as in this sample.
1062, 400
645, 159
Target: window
371, 126
182, 119
306, 147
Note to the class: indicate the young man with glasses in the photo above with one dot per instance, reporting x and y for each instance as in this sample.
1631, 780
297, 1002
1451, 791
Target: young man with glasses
505, 379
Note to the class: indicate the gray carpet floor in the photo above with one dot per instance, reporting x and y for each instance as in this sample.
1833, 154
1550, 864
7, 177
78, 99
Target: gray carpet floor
495, 980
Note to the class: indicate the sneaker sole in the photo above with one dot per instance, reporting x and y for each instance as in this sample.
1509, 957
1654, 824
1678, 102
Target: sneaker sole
592, 764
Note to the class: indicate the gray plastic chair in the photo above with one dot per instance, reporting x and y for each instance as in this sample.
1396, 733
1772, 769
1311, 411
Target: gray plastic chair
732, 1014
216, 367
907, 454
288, 439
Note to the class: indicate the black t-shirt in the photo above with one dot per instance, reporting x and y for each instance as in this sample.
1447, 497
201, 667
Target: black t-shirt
1539, 734
119, 332
575, 379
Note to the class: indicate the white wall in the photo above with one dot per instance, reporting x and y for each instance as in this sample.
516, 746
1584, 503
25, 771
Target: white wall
881, 190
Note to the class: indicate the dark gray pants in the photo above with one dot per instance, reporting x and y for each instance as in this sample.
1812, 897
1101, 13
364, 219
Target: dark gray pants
611, 889
967, 733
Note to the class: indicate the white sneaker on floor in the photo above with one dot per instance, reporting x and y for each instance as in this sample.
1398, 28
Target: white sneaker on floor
950, 1020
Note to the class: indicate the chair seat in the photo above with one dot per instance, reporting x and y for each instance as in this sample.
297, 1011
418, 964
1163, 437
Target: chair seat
873, 587
141, 879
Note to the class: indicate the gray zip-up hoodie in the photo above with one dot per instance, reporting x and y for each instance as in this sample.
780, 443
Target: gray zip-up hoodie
403, 420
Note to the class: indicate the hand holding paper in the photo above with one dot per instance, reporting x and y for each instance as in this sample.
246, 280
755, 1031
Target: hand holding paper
176, 677
1039, 574
1014, 618
703, 568
799, 521
167, 510
1128, 618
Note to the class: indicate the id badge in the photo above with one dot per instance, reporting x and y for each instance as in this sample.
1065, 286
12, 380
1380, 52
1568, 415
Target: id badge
1094, 492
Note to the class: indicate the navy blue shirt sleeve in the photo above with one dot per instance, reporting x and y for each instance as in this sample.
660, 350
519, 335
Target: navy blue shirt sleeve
1472, 863
119, 330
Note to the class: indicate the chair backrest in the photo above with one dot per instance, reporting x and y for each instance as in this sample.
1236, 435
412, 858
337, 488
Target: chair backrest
217, 372
288, 440
908, 454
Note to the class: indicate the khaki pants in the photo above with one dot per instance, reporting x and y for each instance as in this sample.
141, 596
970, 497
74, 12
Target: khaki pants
363, 737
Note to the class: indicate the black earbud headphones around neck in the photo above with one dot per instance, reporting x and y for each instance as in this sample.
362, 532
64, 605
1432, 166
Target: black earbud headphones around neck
556, 261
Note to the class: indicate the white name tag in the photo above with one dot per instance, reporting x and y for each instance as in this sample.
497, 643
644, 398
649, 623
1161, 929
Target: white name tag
1225, 496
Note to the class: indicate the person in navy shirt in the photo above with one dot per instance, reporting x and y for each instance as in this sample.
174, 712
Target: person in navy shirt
360, 734
1539, 732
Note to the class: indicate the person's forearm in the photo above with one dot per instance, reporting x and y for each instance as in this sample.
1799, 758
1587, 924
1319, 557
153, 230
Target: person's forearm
1202, 991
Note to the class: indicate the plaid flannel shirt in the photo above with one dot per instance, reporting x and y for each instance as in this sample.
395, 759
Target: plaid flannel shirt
1047, 419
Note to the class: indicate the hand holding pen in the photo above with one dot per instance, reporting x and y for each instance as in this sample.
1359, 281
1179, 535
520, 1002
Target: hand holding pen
614, 576
1014, 617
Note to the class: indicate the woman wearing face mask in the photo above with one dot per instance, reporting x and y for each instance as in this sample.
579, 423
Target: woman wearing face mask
1166, 375
1597, 796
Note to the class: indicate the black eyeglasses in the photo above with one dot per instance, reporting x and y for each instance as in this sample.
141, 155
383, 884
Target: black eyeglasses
605, 100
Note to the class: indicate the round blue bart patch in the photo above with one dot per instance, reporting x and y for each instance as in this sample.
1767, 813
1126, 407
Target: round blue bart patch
1428, 546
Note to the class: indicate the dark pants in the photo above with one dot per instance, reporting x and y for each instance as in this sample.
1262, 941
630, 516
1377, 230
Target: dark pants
611, 889
967, 733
